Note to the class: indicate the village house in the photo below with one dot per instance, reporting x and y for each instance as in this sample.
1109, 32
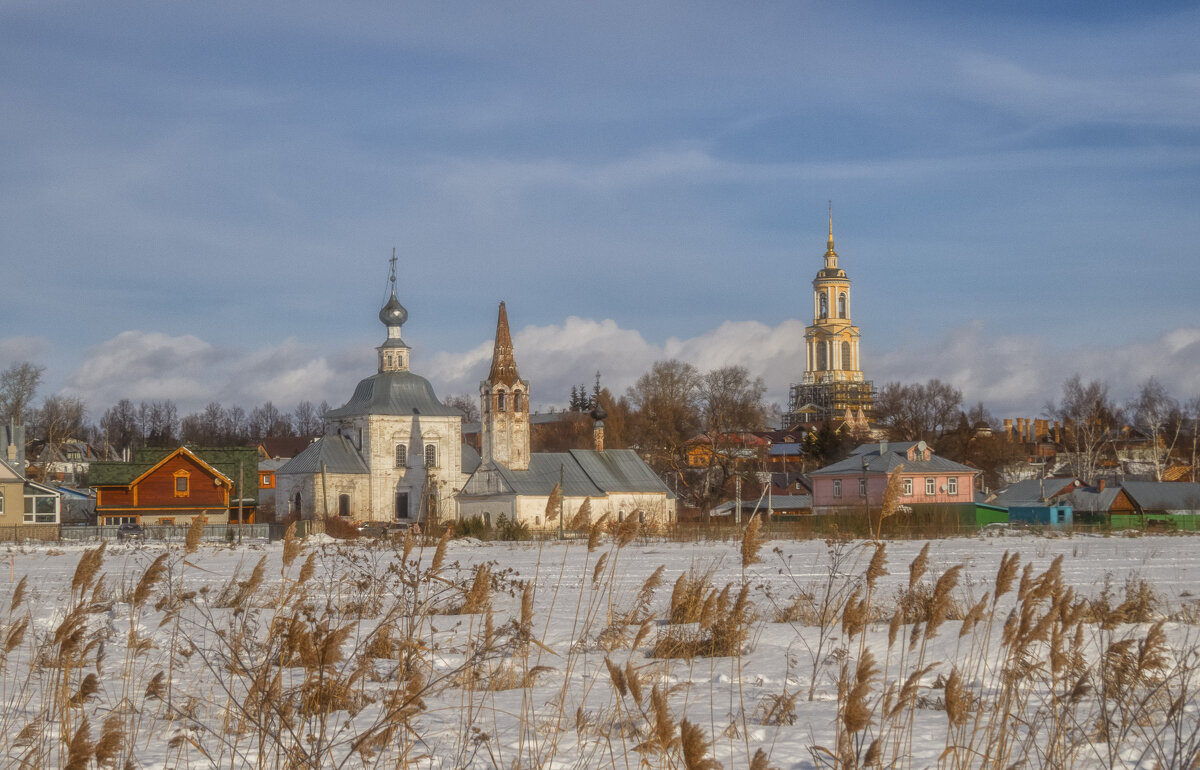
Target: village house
859, 481
173, 486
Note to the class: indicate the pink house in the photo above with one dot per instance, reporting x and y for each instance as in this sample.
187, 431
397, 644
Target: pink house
860, 479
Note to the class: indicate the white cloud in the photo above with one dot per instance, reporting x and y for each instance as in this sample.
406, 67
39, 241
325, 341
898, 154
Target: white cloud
1012, 375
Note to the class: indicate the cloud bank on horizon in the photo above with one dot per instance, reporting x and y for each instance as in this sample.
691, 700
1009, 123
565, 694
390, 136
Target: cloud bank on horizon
1012, 376
1014, 190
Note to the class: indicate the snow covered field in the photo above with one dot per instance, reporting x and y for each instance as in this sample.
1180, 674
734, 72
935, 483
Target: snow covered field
353, 656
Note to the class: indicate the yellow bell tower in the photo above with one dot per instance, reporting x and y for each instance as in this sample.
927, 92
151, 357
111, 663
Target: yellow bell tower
833, 386
832, 340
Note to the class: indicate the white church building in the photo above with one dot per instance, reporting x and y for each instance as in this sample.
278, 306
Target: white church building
393, 452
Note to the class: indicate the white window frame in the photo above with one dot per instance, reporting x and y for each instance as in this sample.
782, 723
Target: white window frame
952, 485
908, 487
837, 487
930, 486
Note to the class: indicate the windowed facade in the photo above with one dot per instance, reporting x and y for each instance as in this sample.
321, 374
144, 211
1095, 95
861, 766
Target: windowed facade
41, 509
908, 488
930, 487
952, 485
430, 456
837, 487
401, 455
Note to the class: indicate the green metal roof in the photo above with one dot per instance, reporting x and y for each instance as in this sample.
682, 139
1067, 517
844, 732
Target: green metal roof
232, 462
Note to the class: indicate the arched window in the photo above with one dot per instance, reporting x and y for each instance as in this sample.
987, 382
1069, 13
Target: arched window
517, 401
430, 456
487, 519
343, 505
821, 357
842, 305
500, 401
401, 455
846, 362
824, 305
296, 505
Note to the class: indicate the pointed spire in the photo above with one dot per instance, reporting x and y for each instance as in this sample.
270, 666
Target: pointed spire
504, 365
831, 256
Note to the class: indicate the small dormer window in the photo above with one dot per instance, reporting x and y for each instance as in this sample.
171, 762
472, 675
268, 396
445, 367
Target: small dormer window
181, 483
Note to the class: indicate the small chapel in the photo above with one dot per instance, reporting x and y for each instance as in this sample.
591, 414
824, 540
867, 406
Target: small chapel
515, 483
393, 452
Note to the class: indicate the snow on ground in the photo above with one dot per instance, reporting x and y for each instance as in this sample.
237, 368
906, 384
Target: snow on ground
570, 714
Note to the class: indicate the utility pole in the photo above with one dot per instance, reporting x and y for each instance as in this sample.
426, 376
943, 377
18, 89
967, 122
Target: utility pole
561, 506
241, 495
737, 506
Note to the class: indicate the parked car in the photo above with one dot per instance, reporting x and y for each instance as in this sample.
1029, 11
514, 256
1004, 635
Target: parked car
130, 531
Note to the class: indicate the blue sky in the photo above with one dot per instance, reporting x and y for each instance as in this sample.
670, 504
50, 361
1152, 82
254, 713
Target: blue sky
198, 201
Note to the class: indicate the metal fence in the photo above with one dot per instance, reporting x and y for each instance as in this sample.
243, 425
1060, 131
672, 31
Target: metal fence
158, 533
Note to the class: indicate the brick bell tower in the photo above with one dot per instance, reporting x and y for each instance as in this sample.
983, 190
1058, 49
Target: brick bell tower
504, 405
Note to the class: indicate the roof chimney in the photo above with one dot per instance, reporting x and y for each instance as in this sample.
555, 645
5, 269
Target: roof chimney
1100, 485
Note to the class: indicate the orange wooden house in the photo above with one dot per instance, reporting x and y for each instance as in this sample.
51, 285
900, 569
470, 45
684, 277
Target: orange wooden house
164, 486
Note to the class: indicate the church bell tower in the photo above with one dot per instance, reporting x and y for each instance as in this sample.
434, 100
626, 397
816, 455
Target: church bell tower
504, 405
833, 387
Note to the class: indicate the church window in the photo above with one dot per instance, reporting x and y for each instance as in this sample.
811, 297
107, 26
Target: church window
500, 401
824, 303
517, 401
821, 356
842, 305
296, 504
846, 362
343, 505
430, 456
401, 455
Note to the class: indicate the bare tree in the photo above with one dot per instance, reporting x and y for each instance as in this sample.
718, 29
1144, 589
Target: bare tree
159, 422
120, 425
465, 404
306, 420
18, 384
730, 406
267, 420
665, 413
1159, 418
918, 411
1089, 420
59, 419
